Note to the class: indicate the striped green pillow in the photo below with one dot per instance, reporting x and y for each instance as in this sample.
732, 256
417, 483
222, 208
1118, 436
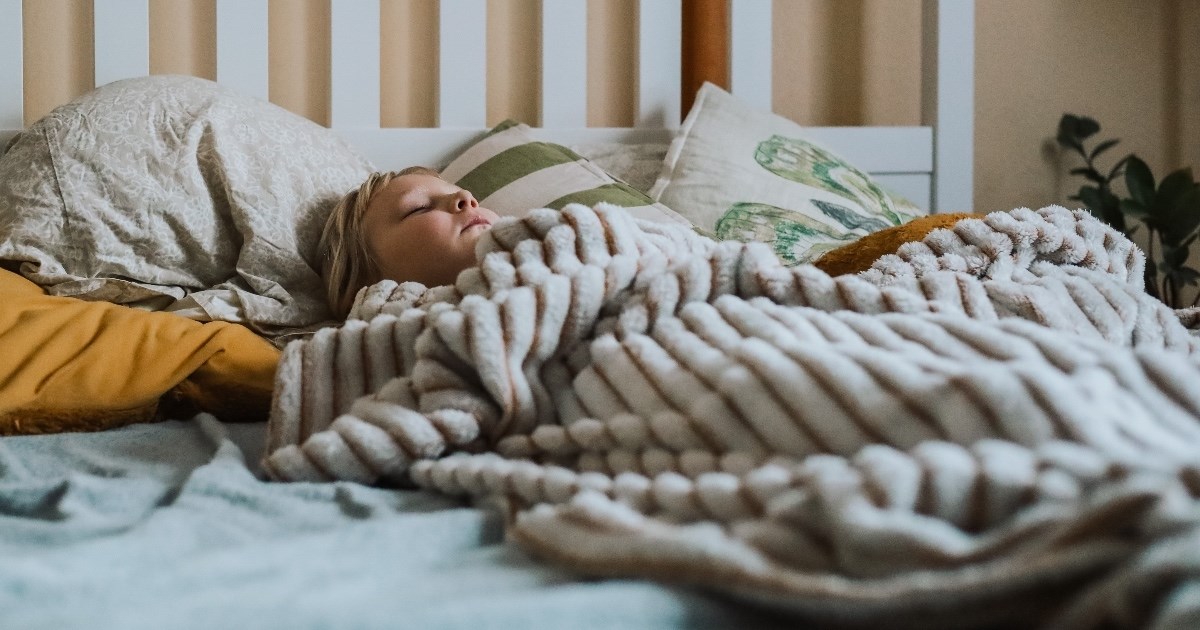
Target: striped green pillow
511, 173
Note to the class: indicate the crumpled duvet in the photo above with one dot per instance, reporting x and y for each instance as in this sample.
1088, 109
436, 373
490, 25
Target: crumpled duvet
993, 427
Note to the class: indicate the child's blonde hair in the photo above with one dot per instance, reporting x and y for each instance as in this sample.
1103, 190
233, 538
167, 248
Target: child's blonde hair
347, 262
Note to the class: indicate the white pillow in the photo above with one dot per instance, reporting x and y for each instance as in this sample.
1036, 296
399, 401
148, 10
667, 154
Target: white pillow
749, 175
171, 192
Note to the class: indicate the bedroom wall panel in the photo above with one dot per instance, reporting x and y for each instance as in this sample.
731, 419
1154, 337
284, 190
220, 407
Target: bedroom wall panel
818, 62
299, 51
891, 63
612, 31
1188, 79
847, 62
58, 53
512, 59
1038, 59
183, 37
408, 42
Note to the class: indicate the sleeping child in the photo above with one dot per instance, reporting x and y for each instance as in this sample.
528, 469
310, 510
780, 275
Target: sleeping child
408, 225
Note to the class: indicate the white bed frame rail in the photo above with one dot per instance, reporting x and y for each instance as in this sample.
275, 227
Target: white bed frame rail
931, 164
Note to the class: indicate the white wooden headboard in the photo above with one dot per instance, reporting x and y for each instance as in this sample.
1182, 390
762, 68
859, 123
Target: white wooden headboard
931, 164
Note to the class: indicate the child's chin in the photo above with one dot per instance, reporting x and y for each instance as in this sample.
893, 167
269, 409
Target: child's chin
476, 230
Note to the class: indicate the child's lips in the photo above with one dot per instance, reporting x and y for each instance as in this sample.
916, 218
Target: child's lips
478, 220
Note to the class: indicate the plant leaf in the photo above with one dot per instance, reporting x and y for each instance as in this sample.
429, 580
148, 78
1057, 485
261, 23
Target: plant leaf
1090, 173
1186, 276
1066, 135
1084, 127
1088, 127
1110, 206
1174, 258
1091, 198
1182, 216
1140, 182
1133, 208
1102, 147
1151, 277
1073, 130
1174, 186
1115, 171
1066, 126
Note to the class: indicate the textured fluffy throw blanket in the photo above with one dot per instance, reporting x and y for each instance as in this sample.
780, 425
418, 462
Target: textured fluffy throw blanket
994, 427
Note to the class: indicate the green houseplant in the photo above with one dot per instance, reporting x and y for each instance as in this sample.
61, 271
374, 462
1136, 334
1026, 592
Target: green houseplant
1169, 210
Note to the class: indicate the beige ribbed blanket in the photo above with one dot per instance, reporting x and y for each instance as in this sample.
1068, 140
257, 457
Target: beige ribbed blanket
994, 427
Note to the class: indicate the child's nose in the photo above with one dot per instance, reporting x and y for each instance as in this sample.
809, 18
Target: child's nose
464, 200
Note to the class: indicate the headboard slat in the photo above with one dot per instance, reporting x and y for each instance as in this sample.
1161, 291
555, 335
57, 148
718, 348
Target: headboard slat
659, 39
564, 63
948, 99
242, 57
12, 93
122, 39
750, 48
933, 162
462, 77
354, 63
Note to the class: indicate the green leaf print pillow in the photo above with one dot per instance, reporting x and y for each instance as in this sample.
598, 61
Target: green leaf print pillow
749, 175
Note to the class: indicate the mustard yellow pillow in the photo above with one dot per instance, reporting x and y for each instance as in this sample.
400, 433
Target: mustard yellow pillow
71, 365
861, 254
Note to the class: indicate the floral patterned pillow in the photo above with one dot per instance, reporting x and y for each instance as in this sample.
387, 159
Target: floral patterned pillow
747, 175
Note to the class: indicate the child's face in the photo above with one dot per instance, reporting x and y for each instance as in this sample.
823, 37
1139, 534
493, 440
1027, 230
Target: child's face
422, 228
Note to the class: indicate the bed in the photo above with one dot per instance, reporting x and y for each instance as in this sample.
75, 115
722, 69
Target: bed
977, 421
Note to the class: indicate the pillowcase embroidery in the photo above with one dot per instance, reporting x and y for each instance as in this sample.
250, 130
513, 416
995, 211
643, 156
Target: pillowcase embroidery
746, 175
511, 172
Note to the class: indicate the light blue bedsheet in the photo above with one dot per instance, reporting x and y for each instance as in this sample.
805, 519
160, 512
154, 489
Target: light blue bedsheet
166, 526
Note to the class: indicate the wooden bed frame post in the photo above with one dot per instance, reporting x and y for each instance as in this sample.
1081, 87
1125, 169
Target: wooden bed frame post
728, 44
705, 47
948, 99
